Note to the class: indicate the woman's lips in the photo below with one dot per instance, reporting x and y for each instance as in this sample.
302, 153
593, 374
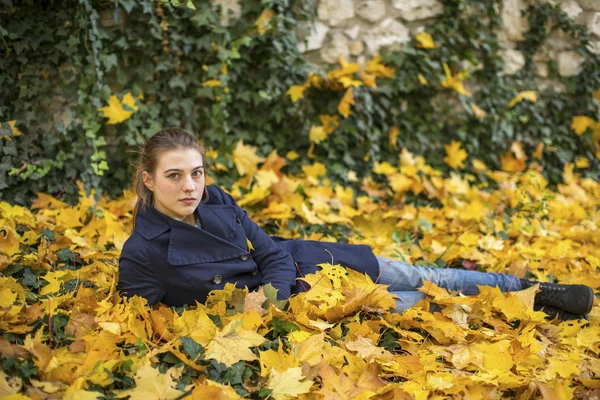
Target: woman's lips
187, 201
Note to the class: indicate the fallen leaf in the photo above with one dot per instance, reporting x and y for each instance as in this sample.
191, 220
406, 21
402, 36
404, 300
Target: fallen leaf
232, 344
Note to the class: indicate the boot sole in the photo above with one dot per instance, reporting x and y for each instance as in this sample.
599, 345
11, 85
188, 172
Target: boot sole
591, 303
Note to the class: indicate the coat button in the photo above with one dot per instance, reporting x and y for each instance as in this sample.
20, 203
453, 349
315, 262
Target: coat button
253, 273
245, 257
217, 279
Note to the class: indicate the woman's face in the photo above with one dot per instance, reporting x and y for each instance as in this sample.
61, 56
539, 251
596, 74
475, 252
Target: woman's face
177, 183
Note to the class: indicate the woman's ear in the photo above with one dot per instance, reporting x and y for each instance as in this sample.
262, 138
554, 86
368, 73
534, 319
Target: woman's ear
147, 179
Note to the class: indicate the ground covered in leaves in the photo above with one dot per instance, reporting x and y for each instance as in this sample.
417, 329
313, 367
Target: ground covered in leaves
66, 332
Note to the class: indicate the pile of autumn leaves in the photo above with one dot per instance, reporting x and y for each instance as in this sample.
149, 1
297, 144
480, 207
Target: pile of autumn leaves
337, 341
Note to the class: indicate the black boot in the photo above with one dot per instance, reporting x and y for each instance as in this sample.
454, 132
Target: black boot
576, 299
553, 312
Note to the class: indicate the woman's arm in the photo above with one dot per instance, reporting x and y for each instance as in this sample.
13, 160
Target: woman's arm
276, 265
137, 277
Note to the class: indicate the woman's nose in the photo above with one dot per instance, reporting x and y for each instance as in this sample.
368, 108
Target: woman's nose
188, 185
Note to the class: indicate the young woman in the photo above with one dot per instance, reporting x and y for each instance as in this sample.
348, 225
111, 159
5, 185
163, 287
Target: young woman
190, 238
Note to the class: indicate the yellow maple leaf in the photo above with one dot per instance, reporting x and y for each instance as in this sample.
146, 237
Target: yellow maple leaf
582, 162
384, 168
455, 155
317, 134
479, 113
329, 122
221, 295
262, 23
296, 92
292, 155
115, 112
251, 319
539, 150
336, 274
352, 176
530, 95
347, 70
46, 201
339, 386
465, 354
515, 305
496, 356
278, 360
347, 81
455, 82
322, 293
9, 385
479, 165
7, 297
15, 131
581, 123
425, 41
9, 242
212, 83
277, 210
13, 128
212, 390
368, 79
151, 384
298, 336
249, 244
129, 101
232, 344
288, 384
392, 137
559, 389
54, 279
422, 80
564, 365
375, 67
196, 325
81, 394
490, 242
245, 159
365, 348
344, 105
256, 195
315, 170
515, 159
266, 178
16, 396
253, 304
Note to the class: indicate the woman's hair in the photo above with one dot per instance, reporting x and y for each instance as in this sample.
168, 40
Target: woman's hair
165, 140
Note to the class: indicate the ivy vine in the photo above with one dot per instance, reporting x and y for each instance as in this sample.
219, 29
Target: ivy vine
60, 62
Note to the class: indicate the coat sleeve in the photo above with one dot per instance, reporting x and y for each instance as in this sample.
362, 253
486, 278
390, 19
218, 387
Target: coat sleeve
276, 265
137, 277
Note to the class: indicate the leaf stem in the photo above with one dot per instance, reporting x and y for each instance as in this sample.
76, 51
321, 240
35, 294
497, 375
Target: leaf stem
50, 322
302, 275
65, 187
454, 241
5, 45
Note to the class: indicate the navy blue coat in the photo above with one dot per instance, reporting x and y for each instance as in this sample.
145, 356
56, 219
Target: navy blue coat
169, 261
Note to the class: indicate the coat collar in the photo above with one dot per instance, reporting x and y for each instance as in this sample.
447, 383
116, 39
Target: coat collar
150, 223
189, 244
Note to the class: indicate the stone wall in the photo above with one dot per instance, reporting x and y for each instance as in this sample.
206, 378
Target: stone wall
357, 29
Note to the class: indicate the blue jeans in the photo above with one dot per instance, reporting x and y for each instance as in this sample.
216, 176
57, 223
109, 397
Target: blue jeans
404, 279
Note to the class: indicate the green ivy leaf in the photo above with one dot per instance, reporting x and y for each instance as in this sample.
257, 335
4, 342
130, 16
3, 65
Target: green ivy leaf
271, 295
194, 350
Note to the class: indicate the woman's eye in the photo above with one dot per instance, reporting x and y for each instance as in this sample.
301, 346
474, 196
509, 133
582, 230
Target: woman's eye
173, 176
197, 173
